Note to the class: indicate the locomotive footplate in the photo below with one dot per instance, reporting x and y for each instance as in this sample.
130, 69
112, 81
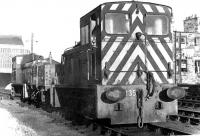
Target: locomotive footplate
176, 127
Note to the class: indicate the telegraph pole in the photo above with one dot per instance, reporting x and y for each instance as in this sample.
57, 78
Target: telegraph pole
31, 42
32, 36
180, 58
175, 57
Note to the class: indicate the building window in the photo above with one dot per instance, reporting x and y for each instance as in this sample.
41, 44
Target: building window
183, 39
183, 65
197, 41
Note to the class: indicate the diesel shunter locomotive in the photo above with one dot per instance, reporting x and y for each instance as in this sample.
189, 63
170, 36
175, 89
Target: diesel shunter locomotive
122, 68
121, 71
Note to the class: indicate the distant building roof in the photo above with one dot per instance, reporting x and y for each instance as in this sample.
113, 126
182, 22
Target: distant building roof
11, 39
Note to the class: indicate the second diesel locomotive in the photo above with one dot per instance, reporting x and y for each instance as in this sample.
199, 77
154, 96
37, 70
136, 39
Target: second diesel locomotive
33, 76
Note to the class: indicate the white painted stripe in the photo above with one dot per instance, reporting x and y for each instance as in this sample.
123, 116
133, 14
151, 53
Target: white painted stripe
106, 38
119, 39
169, 43
144, 76
120, 57
156, 58
170, 81
155, 39
150, 68
104, 81
160, 9
105, 41
133, 76
126, 7
167, 39
103, 44
137, 29
101, 25
110, 53
134, 16
136, 52
163, 51
114, 6
147, 7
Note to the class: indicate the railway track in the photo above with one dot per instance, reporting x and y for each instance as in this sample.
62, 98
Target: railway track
155, 129
188, 119
189, 108
123, 130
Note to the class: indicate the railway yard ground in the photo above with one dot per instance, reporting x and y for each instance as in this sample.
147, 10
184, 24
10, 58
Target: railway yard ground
23, 119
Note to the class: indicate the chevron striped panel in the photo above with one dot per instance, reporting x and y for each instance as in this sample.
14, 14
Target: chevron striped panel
121, 54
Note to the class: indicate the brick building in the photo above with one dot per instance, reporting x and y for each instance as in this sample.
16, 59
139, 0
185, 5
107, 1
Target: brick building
188, 51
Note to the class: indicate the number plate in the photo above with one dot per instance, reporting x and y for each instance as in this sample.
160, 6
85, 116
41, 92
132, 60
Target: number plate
130, 92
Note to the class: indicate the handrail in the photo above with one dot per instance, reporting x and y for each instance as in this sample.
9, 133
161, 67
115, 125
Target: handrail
69, 48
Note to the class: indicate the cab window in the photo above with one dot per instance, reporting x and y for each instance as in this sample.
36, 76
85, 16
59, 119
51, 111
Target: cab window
117, 23
157, 25
84, 35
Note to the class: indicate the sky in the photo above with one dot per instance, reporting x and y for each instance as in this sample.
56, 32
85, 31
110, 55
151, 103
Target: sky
55, 23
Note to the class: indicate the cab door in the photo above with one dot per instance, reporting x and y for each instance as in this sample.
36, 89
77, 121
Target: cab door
159, 47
